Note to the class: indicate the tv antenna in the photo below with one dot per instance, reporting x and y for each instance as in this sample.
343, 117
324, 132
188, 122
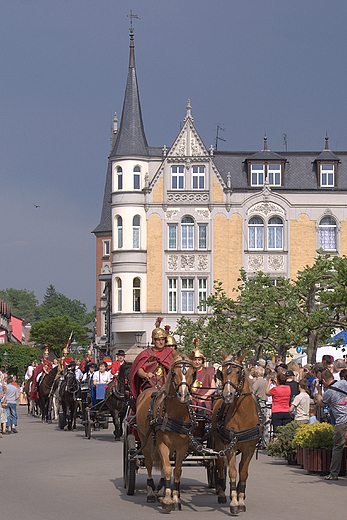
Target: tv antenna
285, 143
132, 16
217, 136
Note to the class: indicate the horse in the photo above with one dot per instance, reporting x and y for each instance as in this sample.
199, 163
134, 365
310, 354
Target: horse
69, 392
32, 405
45, 392
117, 395
237, 428
164, 422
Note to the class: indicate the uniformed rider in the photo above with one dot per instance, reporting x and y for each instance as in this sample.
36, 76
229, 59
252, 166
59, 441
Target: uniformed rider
204, 385
43, 368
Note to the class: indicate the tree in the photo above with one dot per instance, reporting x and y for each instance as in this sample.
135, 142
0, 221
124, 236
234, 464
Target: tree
57, 304
19, 357
23, 303
55, 332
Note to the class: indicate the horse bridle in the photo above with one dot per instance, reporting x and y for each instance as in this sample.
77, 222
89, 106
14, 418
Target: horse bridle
230, 364
186, 364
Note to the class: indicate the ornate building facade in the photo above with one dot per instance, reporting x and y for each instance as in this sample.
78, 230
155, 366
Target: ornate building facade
174, 219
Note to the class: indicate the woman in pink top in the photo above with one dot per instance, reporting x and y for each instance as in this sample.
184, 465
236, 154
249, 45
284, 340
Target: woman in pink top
280, 401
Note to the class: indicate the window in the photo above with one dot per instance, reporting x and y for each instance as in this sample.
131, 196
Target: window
327, 175
202, 294
274, 174
137, 178
172, 236
257, 174
256, 233
119, 232
187, 228
202, 236
198, 177
120, 178
119, 294
187, 294
327, 234
136, 232
177, 177
106, 247
172, 294
136, 294
275, 233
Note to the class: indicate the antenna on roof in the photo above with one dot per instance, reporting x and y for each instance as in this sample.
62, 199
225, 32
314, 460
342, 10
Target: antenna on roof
217, 136
131, 16
285, 141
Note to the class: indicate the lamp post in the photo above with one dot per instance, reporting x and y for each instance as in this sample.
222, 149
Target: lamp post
74, 346
5, 356
138, 337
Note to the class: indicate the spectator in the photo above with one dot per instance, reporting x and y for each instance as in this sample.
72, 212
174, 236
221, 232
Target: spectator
281, 368
259, 385
327, 362
12, 395
334, 392
294, 386
280, 401
301, 403
30, 370
3, 414
343, 374
338, 365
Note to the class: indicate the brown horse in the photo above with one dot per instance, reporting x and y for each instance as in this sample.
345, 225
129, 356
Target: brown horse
237, 426
32, 405
45, 392
163, 417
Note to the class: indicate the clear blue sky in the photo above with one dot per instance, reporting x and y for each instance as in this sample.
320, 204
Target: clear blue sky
252, 67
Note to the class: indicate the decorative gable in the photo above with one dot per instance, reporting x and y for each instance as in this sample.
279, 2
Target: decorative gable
188, 142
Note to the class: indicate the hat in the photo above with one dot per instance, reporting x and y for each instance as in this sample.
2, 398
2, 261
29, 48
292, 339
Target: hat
72, 364
158, 332
65, 351
290, 373
282, 365
170, 340
91, 365
120, 353
198, 353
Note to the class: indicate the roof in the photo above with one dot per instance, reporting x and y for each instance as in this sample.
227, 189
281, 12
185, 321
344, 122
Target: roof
105, 224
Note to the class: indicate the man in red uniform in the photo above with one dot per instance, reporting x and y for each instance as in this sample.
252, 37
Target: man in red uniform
117, 364
151, 365
87, 360
45, 366
204, 385
65, 360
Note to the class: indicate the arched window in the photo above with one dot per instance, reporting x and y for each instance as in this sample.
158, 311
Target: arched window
120, 178
256, 233
137, 178
119, 232
275, 233
136, 232
119, 295
187, 233
136, 294
327, 234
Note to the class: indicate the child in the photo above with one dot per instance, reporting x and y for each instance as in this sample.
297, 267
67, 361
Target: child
301, 403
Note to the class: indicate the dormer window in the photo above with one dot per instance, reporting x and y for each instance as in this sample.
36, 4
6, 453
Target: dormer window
257, 174
274, 174
270, 171
327, 177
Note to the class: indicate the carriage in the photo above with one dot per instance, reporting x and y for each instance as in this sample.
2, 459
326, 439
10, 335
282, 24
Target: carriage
95, 412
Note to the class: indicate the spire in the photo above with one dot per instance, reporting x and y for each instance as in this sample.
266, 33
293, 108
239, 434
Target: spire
265, 142
131, 138
326, 141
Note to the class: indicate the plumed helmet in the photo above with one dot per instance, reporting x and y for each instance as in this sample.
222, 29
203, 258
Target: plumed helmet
89, 352
65, 351
197, 352
170, 340
46, 351
158, 332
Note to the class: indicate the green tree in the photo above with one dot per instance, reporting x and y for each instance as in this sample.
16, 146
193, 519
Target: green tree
54, 332
23, 303
19, 357
57, 304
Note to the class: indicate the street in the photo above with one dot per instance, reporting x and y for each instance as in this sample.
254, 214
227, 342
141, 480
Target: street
53, 474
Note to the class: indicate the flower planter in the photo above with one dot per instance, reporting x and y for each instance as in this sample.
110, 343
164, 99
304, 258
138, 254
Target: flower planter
300, 457
316, 460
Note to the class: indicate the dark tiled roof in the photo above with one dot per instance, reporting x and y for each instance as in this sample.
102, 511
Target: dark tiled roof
266, 155
105, 224
327, 155
300, 170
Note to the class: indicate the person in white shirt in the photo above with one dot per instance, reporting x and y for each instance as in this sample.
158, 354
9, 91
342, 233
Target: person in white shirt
102, 375
30, 370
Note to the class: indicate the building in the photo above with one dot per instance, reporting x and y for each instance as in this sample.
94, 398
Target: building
174, 219
5, 317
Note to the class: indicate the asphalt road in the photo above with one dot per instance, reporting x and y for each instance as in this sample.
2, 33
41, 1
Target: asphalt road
51, 474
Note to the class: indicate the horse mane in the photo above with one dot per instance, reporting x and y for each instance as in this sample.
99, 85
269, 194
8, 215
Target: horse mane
166, 387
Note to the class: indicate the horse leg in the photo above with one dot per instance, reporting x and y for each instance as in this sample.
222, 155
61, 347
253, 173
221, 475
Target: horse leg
247, 454
234, 503
221, 481
149, 465
180, 454
167, 502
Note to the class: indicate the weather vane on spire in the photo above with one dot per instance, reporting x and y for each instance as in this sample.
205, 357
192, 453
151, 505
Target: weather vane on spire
131, 16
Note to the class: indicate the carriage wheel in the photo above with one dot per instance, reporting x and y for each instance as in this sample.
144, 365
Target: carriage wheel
211, 467
61, 420
129, 464
87, 424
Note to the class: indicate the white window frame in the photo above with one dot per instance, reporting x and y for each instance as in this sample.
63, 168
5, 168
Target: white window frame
327, 173
177, 177
172, 294
258, 169
202, 294
330, 228
198, 176
187, 234
257, 227
119, 178
173, 238
119, 233
200, 228
137, 178
187, 295
106, 248
136, 294
274, 170
278, 227
119, 295
136, 233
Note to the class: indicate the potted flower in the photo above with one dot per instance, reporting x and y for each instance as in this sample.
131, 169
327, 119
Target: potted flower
283, 446
314, 443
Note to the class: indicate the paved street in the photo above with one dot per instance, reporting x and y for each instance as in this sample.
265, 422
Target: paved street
52, 474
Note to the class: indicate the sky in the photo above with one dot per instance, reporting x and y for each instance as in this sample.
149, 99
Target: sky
273, 67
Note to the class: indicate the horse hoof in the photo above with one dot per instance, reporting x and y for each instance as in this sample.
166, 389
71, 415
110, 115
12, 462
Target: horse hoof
177, 506
234, 510
242, 509
222, 500
151, 499
167, 508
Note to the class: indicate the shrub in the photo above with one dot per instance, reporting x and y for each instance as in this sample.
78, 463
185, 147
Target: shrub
317, 435
283, 447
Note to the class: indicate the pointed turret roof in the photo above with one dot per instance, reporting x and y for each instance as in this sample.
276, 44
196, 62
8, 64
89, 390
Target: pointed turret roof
327, 154
131, 139
266, 155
